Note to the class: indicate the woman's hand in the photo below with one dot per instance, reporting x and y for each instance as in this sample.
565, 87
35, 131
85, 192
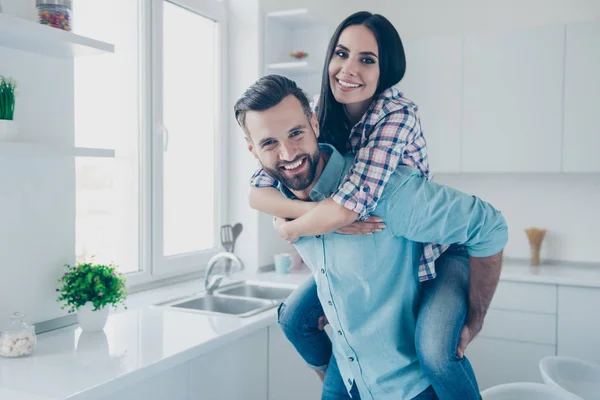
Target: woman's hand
280, 225
373, 224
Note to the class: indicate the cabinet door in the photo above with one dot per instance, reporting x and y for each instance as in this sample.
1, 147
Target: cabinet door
497, 361
171, 384
582, 97
433, 81
237, 370
513, 90
579, 323
289, 377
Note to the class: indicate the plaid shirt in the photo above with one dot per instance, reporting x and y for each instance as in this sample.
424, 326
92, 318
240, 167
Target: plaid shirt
388, 134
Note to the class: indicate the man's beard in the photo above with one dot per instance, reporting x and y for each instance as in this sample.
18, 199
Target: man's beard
298, 181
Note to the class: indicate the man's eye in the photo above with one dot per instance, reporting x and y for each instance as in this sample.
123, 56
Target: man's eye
268, 143
296, 133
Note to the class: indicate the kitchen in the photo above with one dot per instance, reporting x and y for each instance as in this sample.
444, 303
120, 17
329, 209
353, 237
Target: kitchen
506, 93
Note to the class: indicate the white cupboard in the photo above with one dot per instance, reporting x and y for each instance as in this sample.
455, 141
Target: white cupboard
581, 139
433, 80
513, 90
579, 323
289, 377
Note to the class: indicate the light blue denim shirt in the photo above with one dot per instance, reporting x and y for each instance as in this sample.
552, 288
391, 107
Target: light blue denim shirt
368, 284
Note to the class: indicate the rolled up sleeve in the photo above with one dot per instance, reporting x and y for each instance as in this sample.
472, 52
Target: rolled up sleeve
386, 145
424, 211
261, 179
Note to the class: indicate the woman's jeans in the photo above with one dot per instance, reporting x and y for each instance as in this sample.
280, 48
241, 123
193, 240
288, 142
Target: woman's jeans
442, 315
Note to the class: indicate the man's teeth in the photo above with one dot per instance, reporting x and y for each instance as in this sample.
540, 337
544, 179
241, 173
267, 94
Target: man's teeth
294, 165
348, 84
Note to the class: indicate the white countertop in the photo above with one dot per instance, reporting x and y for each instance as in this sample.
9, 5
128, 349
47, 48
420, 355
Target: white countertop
146, 340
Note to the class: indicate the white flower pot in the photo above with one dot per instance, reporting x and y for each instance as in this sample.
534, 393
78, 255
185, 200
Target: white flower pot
92, 321
8, 130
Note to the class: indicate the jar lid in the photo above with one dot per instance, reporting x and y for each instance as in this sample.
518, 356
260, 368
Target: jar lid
66, 3
17, 324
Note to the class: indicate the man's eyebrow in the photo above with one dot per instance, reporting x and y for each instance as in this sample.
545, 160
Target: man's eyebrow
297, 128
364, 53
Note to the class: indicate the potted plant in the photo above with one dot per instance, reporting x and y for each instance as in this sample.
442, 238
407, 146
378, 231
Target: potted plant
8, 127
90, 289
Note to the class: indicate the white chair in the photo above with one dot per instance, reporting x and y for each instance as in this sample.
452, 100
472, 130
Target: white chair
527, 391
573, 375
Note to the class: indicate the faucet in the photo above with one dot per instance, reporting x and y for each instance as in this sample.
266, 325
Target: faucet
212, 284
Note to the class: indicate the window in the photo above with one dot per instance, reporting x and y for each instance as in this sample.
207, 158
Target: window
154, 209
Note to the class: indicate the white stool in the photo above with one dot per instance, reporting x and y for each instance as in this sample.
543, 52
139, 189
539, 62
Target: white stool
573, 375
527, 391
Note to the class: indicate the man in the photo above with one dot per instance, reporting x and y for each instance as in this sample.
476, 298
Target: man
367, 284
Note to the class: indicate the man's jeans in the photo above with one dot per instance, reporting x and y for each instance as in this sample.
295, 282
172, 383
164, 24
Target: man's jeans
441, 317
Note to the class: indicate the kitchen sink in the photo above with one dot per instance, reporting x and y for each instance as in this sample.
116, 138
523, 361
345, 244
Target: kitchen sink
210, 304
239, 299
257, 290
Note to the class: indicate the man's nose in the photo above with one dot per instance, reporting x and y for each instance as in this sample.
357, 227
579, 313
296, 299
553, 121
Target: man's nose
287, 152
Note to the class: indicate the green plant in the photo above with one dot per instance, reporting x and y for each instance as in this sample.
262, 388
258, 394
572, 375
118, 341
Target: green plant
8, 89
101, 284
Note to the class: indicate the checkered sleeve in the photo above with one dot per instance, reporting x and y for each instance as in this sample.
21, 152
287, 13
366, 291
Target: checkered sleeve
390, 142
261, 179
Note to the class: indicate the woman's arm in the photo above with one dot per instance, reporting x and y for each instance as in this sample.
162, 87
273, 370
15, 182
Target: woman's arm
270, 201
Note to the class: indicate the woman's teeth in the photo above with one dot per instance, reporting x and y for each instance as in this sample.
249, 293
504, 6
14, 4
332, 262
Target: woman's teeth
348, 84
294, 165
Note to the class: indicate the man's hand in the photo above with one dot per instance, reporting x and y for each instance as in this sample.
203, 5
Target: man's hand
280, 225
467, 334
373, 224
322, 322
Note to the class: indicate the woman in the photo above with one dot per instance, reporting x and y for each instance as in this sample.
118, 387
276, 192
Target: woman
360, 111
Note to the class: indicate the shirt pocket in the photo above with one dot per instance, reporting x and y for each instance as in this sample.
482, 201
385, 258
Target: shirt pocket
357, 255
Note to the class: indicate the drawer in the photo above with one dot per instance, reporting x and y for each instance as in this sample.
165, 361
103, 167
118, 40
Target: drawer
519, 296
521, 326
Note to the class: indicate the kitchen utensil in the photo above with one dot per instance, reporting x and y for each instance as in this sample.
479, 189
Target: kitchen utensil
535, 236
236, 230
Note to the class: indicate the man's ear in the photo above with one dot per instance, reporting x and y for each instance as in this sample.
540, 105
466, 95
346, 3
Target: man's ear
251, 147
315, 125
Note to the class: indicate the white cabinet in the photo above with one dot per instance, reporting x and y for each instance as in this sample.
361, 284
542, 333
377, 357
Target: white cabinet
235, 371
513, 90
171, 384
433, 80
498, 361
582, 96
289, 377
519, 330
579, 323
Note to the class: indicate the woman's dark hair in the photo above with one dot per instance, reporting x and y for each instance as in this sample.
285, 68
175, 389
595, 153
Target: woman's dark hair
333, 121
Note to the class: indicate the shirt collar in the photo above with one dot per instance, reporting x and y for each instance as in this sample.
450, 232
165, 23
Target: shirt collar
328, 182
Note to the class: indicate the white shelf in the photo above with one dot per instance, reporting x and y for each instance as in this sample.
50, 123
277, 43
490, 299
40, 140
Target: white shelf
293, 19
38, 150
297, 67
21, 34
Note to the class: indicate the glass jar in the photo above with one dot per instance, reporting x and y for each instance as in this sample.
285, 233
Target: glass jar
54, 13
18, 339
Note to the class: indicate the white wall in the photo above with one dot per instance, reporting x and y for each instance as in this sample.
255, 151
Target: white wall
565, 204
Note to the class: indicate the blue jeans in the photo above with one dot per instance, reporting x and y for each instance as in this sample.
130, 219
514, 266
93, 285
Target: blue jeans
441, 317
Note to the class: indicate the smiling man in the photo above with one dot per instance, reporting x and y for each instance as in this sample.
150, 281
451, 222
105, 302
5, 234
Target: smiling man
368, 285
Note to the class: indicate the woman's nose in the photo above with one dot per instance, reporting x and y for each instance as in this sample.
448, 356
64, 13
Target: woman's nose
350, 67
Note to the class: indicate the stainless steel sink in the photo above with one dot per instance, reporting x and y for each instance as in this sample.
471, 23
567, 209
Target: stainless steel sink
257, 290
210, 304
240, 299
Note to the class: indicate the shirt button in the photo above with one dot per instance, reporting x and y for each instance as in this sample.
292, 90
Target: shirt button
330, 303
322, 271
351, 359
349, 381
365, 189
340, 333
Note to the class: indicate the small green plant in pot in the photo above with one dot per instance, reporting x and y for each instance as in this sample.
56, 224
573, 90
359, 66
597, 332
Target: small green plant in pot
8, 93
91, 289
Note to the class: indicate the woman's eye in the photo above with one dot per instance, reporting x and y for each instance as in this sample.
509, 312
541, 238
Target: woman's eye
368, 60
341, 54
